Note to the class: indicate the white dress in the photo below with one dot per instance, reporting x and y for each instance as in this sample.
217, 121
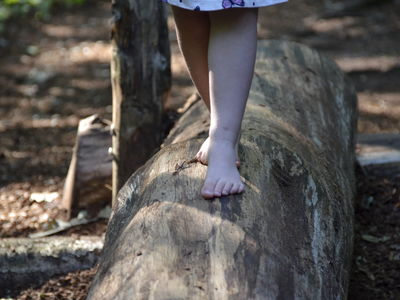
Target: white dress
221, 4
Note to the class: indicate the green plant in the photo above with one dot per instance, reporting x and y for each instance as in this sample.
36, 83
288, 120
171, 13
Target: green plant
40, 9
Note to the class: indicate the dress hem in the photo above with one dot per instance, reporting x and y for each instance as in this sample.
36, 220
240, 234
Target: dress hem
212, 5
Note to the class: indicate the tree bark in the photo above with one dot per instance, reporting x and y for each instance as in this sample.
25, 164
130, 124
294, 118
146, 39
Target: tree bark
288, 236
141, 79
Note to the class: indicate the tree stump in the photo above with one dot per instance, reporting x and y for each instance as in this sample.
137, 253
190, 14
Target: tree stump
288, 236
88, 182
141, 80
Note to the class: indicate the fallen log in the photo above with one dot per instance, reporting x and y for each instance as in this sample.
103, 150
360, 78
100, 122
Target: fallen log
288, 236
25, 261
379, 152
378, 149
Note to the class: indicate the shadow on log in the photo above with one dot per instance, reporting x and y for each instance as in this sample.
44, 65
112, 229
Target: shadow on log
289, 236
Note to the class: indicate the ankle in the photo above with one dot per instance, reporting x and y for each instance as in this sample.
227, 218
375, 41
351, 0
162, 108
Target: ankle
222, 140
226, 136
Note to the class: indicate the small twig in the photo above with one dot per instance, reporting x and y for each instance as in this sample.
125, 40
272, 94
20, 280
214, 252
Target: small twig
183, 165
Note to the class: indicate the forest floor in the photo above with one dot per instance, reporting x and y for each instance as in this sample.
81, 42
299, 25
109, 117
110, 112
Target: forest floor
54, 73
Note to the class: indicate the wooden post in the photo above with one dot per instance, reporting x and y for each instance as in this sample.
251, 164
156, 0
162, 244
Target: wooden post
288, 236
141, 79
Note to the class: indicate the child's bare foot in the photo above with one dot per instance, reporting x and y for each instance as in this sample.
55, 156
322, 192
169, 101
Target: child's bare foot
202, 154
222, 177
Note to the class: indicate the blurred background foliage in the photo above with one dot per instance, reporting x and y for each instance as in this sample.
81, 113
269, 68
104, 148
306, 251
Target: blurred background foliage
40, 9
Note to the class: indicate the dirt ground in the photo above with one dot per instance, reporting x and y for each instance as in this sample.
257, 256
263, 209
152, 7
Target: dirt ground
56, 72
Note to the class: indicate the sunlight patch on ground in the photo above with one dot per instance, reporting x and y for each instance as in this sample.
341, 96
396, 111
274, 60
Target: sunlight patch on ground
334, 24
88, 83
178, 66
378, 103
59, 31
84, 52
380, 63
378, 112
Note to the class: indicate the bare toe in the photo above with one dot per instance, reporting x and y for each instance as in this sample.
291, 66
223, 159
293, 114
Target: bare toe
227, 188
218, 188
241, 188
208, 189
235, 188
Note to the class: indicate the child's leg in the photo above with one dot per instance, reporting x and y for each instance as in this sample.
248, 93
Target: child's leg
193, 32
231, 57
